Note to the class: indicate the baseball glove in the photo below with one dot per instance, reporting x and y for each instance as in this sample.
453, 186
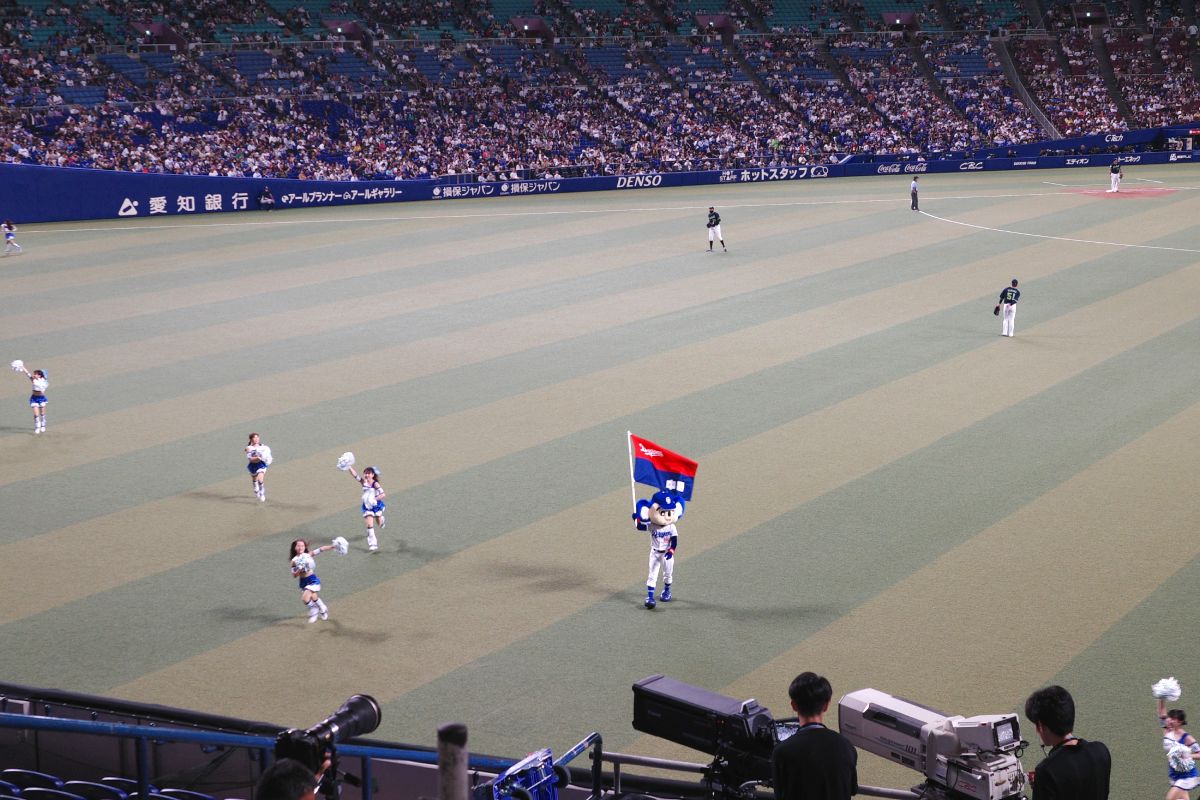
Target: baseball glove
996, 311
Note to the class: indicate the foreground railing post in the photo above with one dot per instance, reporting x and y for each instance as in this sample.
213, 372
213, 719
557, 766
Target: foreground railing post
452, 762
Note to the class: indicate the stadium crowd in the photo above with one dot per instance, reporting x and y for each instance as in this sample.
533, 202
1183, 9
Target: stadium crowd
628, 98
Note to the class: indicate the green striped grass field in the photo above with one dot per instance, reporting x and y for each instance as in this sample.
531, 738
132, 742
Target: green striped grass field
889, 493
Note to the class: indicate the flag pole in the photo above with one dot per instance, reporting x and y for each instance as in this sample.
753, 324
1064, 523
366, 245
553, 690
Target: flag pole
632, 487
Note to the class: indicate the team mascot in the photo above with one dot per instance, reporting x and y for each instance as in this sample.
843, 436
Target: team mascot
659, 515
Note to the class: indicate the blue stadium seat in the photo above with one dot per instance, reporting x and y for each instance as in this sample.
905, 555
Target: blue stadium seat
126, 785
9, 789
95, 791
185, 794
8, 797
27, 778
34, 793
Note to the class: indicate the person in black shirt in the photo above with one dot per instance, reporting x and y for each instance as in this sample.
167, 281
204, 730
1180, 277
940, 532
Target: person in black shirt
1073, 769
1008, 308
714, 229
266, 200
814, 763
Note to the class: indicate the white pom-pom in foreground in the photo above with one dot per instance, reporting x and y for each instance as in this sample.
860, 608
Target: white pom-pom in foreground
341, 545
18, 365
345, 461
1167, 689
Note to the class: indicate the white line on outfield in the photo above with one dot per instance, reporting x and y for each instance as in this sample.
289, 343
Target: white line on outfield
1062, 238
565, 212
1148, 180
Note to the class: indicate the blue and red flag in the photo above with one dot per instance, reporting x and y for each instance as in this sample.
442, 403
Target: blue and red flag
655, 465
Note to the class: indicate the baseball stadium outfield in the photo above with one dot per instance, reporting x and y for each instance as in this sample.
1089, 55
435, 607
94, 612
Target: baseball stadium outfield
890, 493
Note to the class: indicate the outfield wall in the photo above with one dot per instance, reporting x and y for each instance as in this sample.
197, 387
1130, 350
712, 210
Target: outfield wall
30, 193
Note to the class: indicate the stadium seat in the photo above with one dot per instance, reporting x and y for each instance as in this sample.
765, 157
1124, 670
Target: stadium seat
8, 797
35, 793
9, 789
184, 794
127, 785
28, 779
95, 791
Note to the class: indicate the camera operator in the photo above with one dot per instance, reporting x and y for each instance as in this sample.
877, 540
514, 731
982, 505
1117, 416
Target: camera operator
288, 779
814, 763
1073, 769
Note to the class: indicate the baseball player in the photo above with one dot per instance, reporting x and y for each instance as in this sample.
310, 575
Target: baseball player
1114, 176
912, 190
714, 230
1008, 308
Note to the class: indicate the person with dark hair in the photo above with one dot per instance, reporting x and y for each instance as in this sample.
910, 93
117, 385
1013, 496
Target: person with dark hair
814, 763
1074, 768
1182, 751
266, 200
286, 779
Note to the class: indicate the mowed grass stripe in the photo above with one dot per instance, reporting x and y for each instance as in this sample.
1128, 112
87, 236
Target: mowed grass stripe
113, 263
479, 625
222, 406
248, 335
744, 601
321, 261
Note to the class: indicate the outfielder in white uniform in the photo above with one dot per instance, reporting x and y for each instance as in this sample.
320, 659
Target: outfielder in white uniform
1114, 176
714, 230
658, 516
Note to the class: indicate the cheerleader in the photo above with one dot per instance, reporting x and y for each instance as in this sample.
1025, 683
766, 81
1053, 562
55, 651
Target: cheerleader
373, 506
258, 458
1182, 750
304, 567
37, 399
10, 240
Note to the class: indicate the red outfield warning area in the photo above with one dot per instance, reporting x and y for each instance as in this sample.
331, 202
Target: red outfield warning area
1148, 191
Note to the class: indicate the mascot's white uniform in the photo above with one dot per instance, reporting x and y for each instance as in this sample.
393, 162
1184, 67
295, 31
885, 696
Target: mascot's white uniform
658, 516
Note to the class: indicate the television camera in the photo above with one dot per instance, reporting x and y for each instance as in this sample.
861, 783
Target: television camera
740, 734
973, 757
316, 747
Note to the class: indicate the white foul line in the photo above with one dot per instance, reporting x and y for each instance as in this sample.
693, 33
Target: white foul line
1061, 238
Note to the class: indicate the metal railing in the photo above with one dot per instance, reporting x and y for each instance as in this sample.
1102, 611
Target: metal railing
144, 735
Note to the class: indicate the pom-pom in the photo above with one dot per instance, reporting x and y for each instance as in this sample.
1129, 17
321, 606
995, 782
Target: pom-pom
1167, 689
341, 545
303, 563
18, 365
345, 461
368, 498
1180, 758
264, 453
